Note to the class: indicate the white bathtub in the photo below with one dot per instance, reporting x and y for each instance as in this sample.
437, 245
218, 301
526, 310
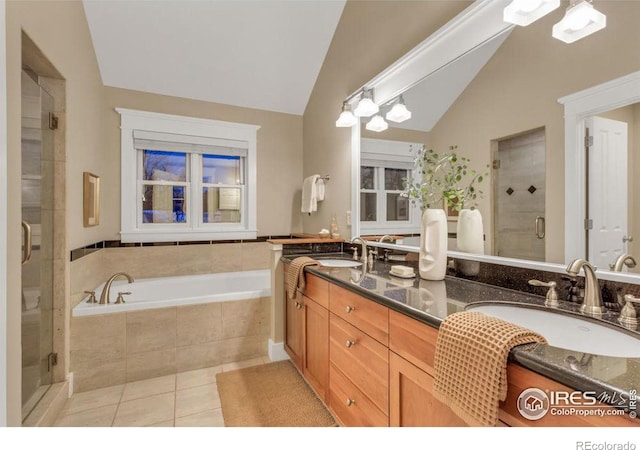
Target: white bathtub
150, 293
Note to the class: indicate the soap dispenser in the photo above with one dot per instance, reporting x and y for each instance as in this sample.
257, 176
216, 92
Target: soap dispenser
335, 231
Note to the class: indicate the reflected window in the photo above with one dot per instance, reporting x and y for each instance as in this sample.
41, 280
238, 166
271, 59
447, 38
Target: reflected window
381, 201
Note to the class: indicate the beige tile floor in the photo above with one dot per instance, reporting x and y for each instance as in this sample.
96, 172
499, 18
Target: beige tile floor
186, 399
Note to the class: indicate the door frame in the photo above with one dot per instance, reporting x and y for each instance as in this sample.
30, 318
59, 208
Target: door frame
3, 219
578, 106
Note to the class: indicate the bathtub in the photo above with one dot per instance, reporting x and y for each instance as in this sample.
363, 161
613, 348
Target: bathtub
152, 293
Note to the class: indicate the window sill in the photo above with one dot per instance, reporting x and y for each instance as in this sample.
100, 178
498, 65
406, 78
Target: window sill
186, 235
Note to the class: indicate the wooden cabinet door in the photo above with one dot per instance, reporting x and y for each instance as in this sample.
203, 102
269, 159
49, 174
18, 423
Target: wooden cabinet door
411, 400
293, 340
315, 367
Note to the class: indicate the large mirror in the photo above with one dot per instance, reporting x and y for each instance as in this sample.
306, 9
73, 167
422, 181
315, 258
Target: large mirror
499, 105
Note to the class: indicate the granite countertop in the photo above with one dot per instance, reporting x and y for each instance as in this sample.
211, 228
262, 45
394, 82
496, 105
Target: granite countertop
611, 378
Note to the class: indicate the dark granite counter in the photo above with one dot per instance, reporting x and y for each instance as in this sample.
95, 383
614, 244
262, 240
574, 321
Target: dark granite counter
611, 378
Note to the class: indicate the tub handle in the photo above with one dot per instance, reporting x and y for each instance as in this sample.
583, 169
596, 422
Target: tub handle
120, 299
92, 296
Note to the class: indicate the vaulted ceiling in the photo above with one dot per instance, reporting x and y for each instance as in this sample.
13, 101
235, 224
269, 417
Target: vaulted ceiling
257, 54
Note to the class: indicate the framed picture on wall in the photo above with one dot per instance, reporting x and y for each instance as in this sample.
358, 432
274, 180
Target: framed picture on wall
91, 200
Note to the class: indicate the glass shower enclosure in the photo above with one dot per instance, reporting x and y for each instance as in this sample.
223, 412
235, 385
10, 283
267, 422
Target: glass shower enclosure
37, 246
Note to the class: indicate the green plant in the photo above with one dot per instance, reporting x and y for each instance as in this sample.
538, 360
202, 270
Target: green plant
447, 177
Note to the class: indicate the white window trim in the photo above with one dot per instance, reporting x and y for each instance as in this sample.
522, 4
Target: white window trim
389, 151
130, 231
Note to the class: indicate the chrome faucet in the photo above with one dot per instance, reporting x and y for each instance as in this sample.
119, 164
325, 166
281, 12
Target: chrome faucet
385, 237
623, 260
592, 304
104, 296
364, 248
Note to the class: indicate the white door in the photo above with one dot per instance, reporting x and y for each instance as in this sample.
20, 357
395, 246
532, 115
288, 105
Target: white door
607, 191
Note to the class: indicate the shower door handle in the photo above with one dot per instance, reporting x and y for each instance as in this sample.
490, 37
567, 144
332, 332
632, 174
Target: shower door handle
26, 252
540, 227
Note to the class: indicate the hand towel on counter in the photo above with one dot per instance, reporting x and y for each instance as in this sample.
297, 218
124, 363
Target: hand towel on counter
470, 364
295, 274
310, 194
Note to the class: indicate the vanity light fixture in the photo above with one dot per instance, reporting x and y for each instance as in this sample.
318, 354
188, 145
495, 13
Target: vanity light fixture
580, 20
346, 119
366, 106
525, 12
377, 124
399, 112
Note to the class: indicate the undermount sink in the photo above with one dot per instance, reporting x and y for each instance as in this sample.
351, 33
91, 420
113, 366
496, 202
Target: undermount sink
339, 263
566, 331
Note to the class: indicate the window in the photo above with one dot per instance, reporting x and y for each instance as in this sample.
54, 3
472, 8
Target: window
385, 165
186, 179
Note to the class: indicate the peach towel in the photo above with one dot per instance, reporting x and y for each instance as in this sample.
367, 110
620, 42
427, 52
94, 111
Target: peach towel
471, 364
295, 275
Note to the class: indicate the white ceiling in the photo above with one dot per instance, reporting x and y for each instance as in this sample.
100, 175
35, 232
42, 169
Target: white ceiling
262, 54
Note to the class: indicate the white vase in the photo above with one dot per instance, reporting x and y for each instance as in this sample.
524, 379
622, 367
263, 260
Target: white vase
470, 239
433, 245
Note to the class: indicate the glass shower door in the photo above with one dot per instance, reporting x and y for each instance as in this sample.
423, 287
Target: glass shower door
37, 250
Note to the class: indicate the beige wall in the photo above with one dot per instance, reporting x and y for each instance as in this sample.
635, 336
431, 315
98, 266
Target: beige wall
60, 31
370, 36
518, 90
279, 156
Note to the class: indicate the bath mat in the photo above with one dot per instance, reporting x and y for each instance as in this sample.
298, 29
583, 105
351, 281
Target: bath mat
270, 395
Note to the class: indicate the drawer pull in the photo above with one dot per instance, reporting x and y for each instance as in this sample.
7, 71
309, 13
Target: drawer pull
349, 309
298, 305
350, 402
350, 344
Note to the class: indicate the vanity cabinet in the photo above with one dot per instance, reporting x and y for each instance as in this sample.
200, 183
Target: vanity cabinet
373, 366
307, 333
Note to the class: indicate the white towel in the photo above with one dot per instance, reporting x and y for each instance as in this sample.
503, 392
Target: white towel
320, 189
310, 194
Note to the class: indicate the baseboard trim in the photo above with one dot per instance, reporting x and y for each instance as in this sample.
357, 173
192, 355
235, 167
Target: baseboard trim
277, 352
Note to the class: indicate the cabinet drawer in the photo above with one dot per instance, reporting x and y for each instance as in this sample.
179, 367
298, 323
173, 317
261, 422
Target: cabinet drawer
365, 314
363, 360
350, 405
413, 340
317, 289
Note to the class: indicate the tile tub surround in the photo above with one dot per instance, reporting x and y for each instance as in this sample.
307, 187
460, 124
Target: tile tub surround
430, 302
113, 349
94, 268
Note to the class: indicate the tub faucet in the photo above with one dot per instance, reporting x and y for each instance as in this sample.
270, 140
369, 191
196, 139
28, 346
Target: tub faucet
104, 296
623, 260
592, 304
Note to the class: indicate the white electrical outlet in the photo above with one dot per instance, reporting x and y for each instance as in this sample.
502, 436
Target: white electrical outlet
348, 218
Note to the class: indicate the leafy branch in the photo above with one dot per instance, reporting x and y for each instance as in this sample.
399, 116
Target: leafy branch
447, 177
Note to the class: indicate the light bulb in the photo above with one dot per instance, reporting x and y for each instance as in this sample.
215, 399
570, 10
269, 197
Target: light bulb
528, 6
525, 12
580, 20
346, 118
377, 124
366, 106
399, 112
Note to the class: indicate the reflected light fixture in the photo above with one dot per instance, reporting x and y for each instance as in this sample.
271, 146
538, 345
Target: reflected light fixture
580, 20
525, 12
346, 118
399, 112
377, 124
366, 106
